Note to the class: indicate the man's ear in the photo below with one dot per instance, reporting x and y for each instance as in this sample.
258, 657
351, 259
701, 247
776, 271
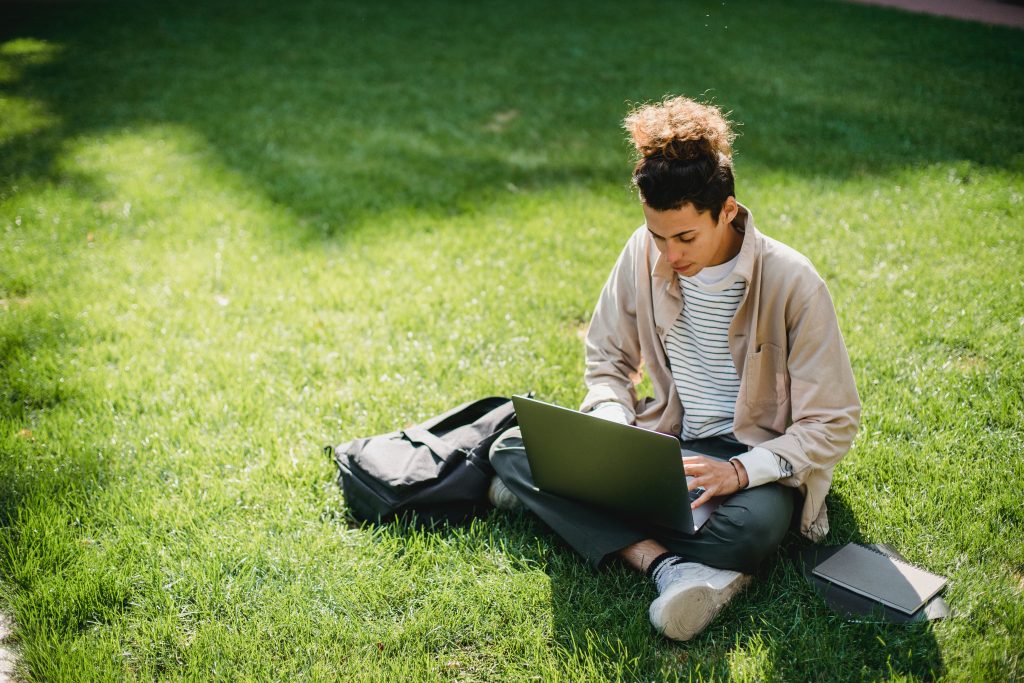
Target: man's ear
729, 209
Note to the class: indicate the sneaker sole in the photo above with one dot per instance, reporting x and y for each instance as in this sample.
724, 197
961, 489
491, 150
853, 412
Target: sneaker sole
685, 612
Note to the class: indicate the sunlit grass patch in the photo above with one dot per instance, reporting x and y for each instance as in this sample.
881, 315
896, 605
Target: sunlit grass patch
230, 236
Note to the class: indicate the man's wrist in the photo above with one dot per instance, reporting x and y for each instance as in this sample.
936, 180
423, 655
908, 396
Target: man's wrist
741, 473
760, 465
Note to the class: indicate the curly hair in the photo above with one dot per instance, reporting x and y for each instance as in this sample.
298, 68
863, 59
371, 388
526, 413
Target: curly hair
685, 152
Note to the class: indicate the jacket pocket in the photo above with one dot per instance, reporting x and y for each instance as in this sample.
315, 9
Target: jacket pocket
763, 374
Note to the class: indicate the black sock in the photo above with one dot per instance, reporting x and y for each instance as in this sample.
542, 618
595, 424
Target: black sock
657, 562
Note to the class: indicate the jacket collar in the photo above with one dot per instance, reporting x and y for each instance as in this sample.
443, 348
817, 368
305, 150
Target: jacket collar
744, 266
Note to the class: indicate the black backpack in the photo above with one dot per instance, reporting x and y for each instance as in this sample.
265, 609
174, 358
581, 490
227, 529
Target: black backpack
438, 469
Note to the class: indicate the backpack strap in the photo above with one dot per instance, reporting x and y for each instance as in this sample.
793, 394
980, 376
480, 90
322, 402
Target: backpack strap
435, 443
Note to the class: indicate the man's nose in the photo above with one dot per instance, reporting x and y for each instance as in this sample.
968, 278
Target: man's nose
673, 252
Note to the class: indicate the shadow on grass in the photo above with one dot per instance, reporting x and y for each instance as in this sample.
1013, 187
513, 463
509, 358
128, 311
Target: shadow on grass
342, 111
779, 629
818, 639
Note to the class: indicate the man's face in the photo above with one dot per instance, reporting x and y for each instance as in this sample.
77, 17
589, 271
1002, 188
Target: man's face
692, 241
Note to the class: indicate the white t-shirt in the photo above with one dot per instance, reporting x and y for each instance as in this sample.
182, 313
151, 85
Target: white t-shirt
697, 346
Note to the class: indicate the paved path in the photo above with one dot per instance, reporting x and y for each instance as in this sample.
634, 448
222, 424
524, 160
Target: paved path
7, 656
985, 11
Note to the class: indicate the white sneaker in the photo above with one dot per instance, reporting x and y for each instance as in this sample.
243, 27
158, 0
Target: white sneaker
501, 497
692, 598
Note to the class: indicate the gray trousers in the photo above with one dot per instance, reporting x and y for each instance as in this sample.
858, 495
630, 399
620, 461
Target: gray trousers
747, 528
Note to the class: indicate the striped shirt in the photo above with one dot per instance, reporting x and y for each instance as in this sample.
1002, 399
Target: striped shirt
698, 351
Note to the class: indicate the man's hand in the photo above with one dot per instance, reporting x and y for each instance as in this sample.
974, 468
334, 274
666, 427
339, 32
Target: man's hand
716, 477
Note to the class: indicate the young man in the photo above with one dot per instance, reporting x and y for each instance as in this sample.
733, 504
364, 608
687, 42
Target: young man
739, 337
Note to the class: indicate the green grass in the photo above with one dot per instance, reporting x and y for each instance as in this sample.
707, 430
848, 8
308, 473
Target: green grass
232, 233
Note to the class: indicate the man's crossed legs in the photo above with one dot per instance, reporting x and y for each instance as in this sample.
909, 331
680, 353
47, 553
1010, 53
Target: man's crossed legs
695, 575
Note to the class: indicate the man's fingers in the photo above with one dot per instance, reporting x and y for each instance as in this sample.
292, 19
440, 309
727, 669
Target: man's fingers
705, 497
694, 466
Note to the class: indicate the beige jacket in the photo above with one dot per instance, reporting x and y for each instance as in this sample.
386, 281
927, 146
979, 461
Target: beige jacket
797, 395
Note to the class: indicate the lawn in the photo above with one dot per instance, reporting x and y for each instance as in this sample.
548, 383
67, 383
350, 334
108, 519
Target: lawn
232, 233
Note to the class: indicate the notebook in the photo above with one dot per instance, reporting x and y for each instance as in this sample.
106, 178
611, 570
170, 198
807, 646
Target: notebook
885, 579
633, 471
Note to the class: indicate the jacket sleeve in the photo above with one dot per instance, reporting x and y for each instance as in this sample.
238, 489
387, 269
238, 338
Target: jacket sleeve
824, 404
612, 343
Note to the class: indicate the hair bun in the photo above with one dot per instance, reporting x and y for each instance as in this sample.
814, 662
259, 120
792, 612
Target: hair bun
687, 150
680, 128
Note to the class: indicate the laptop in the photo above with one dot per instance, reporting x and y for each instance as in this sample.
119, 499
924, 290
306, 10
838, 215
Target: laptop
626, 469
